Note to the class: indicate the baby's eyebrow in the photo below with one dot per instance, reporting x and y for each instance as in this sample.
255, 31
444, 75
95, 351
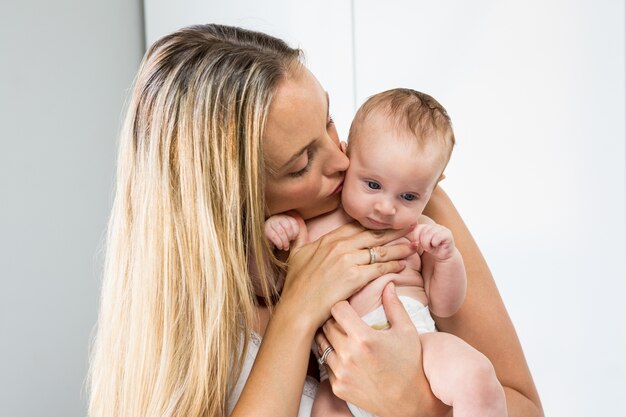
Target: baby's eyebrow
418, 193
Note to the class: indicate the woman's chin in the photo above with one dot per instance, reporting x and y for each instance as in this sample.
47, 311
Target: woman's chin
328, 206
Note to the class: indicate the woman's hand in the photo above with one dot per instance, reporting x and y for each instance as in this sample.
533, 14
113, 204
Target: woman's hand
378, 370
334, 267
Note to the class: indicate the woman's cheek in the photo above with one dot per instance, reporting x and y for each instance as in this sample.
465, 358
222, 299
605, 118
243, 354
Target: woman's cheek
309, 187
304, 194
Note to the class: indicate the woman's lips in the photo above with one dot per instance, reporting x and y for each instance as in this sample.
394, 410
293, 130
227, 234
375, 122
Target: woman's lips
339, 188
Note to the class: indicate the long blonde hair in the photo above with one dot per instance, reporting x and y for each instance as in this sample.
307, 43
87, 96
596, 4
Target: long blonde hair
188, 213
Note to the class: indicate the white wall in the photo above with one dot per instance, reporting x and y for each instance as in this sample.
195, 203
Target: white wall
536, 92
66, 67
321, 28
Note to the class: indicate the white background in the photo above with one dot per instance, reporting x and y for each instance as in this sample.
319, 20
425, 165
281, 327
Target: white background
536, 91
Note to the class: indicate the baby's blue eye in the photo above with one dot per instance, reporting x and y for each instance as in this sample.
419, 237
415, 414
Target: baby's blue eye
373, 185
409, 197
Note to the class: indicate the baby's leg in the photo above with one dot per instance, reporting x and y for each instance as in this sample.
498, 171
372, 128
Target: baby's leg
326, 403
462, 377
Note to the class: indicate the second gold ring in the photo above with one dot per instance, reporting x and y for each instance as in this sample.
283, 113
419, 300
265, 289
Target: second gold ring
325, 354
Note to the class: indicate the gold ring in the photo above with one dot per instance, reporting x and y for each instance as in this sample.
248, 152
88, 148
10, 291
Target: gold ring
372, 256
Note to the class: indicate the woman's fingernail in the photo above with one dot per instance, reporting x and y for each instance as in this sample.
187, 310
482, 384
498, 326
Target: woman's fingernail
393, 288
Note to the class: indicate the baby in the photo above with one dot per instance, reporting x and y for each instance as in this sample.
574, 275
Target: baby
399, 144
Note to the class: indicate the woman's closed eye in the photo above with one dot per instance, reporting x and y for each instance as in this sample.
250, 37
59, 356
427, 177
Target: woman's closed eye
310, 153
301, 172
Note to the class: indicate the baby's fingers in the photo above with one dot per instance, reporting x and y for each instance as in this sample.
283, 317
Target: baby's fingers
273, 237
425, 238
281, 235
441, 236
301, 237
292, 227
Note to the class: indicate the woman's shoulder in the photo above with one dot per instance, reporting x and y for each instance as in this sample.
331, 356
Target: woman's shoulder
441, 210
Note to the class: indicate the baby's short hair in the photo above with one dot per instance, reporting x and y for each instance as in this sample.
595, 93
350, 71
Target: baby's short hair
410, 111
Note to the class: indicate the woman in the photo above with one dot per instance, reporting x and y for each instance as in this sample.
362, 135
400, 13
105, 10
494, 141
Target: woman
226, 127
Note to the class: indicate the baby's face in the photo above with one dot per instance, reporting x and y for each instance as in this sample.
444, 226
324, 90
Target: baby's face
390, 179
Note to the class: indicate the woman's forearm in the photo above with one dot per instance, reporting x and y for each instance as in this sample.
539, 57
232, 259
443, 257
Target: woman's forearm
519, 405
280, 367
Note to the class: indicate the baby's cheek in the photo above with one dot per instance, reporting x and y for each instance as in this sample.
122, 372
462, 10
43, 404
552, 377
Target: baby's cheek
405, 223
353, 205
409, 218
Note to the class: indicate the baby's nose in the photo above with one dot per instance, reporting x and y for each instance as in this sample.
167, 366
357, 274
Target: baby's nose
385, 208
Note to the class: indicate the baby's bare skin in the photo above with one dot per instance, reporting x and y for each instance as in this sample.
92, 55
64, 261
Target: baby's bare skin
408, 283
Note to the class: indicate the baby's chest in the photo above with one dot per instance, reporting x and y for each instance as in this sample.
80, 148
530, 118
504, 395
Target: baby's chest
321, 225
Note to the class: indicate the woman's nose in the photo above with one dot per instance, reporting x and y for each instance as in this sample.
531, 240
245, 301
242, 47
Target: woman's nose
336, 161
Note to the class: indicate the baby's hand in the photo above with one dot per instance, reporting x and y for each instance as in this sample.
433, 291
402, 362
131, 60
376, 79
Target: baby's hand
280, 229
434, 239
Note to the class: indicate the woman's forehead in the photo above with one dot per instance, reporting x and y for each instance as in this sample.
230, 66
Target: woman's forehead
297, 116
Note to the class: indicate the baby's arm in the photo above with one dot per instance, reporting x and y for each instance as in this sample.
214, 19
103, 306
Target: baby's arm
443, 271
281, 229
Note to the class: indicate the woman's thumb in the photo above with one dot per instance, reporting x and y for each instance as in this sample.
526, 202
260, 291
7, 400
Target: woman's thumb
394, 310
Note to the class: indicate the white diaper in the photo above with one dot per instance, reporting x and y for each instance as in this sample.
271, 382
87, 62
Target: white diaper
420, 316
419, 313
